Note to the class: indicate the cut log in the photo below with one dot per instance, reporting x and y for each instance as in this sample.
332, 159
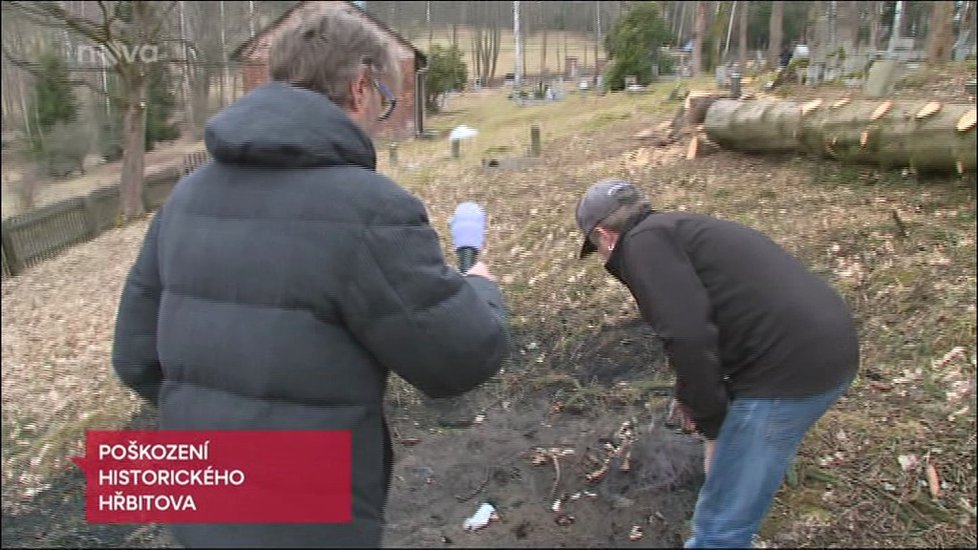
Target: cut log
929, 109
967, 121
856, 132
810, 106
697, 103
881, 110
677, 125
691, 150
756, 126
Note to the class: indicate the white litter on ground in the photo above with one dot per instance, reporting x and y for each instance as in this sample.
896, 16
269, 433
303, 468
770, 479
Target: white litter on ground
481, 518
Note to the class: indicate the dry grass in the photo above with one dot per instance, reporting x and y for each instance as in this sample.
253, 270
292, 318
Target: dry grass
58, 320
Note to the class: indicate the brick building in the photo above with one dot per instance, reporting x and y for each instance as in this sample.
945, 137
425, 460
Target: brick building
408, 118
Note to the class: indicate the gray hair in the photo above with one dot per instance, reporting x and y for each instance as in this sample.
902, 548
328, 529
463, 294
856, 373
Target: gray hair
324, 54
619, 219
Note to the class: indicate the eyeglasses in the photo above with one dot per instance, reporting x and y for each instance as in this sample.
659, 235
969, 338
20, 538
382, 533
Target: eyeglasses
387, 99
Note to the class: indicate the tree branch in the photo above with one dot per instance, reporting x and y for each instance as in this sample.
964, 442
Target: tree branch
187, 43
85, 27
161, 20
106, 20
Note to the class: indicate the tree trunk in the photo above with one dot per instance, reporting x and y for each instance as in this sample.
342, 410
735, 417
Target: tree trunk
682, 25
940, 35
560, 63
744, 10
563, 60
543, 54
477, 56
874, 26
896, 29
134, 132
431, 32
188, 73
485, 49
224, 59
202, 92
777, 32
730, 25
849, 133
496, 37
847, 21
518, 56
699, 32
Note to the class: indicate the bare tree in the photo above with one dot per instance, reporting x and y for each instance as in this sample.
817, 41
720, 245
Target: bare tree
742, 32
491, 49
224, 56
699, 33
476, 49
966, 34
940, 36
847, 22
896, 29
874, 24
251, 18
777, 32
543, 47
188, 96
730, 24
124, 28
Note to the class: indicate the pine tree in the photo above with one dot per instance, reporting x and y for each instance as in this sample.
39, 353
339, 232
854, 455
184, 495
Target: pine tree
54, 99
446, 72
633, 45
59, 142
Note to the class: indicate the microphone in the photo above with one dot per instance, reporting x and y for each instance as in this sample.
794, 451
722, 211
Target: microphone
467, 256
468, 227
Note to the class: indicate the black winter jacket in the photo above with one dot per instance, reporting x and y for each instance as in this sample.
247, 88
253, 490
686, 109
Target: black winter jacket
279, 285
740, 316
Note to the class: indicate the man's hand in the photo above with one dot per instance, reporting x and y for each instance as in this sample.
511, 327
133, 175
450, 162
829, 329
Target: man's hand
482, 270
679, 416
709, 446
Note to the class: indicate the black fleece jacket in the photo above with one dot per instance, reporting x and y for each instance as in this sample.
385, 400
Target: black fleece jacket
740, 317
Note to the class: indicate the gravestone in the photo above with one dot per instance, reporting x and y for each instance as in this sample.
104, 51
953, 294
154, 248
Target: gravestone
721, 76
882, 77
812, 74
855, 64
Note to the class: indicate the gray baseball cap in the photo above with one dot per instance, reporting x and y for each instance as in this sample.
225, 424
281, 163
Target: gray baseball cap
600, 201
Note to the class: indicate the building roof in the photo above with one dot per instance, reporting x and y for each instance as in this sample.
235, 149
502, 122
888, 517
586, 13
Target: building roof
239, 52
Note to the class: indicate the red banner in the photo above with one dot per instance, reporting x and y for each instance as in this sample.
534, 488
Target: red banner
217, 476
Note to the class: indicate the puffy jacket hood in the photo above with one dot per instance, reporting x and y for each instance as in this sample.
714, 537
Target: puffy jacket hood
284, 126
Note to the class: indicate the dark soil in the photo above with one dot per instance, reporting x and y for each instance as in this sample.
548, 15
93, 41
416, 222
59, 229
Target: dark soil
445, 476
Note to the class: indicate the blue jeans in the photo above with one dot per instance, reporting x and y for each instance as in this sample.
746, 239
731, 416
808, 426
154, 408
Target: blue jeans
757, 442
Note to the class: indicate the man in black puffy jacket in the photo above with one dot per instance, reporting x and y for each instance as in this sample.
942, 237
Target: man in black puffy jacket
283, 281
